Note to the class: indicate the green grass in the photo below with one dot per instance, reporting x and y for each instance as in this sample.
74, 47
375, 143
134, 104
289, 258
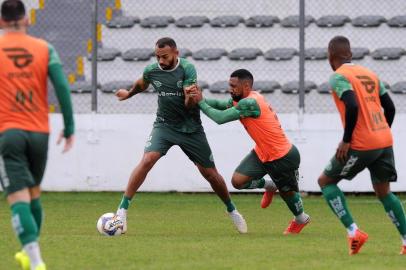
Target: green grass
191, 231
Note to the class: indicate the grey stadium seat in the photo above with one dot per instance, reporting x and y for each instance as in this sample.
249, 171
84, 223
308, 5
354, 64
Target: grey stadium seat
292, 87
226, 21
324, 88
156, 21
387, 85
332, 20
183, 53
280, 54
203, 84
316, 53
359, 52
219, 87
266, 86
261, 21
397, 21
209, 54
105, 54
244, 54
138, 54
122, 22
81, 87
368, 21
293, 21
388, 53
112, 87
191, 21
399, 88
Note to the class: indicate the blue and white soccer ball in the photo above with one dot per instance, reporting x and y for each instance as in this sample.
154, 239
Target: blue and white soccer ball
110, 224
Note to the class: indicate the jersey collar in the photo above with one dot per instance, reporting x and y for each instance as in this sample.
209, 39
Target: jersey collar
170, 70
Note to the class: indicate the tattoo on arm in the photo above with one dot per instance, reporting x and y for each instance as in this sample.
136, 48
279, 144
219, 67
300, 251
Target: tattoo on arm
138, 87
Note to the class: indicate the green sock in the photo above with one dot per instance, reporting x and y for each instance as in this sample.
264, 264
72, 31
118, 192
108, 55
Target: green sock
336, 200
23, 223
294, 203
37, 213
253, 184
125, 202
394, 209
230, 205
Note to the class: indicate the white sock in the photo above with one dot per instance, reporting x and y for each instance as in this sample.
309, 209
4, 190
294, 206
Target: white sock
302, 218
270, 185
122, 213
352, 229
404, 240
33, 251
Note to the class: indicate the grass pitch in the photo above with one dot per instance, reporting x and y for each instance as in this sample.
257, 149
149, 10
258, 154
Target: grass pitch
192, 231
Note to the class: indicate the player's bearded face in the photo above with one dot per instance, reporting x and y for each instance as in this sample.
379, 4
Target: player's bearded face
235, 89
166, 57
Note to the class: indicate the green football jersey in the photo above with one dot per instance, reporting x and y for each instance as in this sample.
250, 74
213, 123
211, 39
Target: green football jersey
171, 98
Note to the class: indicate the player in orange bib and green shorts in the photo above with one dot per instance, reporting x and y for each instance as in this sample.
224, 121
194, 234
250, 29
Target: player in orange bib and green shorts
26, 64
367, 113
273, 154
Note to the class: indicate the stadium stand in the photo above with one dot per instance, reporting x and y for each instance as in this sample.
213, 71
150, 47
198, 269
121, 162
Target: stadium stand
156, 21
293, 87
278, 54
397, 21
123, 22
191, 21
138, 54
293, 21
261, 21
209, 54
244, 54
368, 21
226, 21
316, 53
388, 53
332, 20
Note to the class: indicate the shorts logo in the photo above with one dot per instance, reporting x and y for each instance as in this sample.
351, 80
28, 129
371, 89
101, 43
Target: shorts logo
20, 56
350, 163
329, 166
211, 158
148, 143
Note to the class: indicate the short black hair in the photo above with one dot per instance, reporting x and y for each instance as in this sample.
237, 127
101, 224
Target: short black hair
12, 10
339, 47
243, 74
166, 41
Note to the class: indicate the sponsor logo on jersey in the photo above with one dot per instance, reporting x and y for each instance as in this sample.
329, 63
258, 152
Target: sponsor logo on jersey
157, 83
20, 56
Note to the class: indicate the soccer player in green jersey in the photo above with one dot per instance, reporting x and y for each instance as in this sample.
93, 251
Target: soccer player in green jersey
26, 64
177, 123
273, 153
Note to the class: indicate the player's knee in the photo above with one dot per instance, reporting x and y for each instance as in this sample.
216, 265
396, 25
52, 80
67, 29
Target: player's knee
321, 181
148, 161
237, 183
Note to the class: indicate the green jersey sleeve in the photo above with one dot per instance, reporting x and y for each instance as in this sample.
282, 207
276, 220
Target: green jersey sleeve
339, 84
62, 90
219, 116
190, 73
248, 107
219, 104
146, 72
382, 89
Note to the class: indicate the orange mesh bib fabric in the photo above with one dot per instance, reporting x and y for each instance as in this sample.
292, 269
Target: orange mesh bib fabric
23, 83
371, 131
266, 131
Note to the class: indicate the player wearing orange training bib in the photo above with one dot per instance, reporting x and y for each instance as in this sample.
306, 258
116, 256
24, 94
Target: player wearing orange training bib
367, 113
273, 153
26, 63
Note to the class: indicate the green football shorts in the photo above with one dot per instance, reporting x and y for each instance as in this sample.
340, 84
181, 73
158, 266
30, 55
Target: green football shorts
284, 171
194, 145
23, 157
380, 163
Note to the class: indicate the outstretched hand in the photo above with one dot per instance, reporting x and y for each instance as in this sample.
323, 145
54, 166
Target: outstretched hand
122, 94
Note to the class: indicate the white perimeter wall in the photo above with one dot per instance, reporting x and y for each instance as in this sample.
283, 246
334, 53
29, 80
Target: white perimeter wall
109, 146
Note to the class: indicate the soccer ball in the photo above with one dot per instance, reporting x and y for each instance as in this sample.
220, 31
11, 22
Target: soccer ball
110, 224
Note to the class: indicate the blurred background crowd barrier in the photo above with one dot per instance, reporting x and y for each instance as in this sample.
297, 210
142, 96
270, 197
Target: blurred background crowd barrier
106, 44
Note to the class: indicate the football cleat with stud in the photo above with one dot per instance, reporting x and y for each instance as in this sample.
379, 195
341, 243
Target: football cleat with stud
355, 243
239, 221
295, 227
22, 260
